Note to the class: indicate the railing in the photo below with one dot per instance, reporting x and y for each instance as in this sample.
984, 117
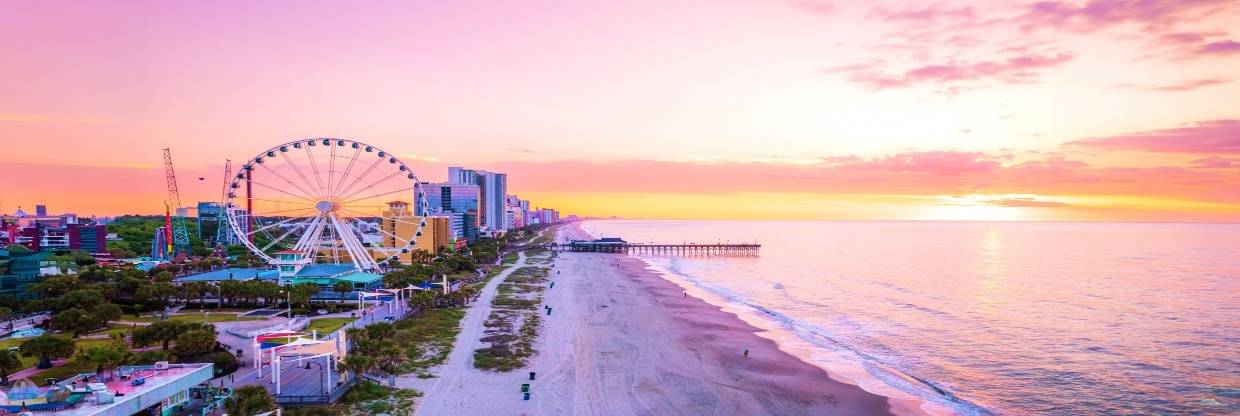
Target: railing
319, 399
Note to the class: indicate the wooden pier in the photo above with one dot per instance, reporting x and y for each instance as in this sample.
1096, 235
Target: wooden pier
686, 249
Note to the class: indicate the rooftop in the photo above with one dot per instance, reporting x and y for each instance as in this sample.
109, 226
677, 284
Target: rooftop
91, 399
231, 273
325, 270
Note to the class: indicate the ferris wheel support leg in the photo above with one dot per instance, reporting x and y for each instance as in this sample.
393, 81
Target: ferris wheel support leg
357, 253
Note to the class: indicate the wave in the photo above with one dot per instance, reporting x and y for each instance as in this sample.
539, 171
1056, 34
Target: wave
819, 338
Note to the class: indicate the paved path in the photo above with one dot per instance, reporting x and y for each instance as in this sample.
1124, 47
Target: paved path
440, 397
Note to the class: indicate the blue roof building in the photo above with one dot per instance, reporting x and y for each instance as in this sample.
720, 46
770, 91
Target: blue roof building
231, 273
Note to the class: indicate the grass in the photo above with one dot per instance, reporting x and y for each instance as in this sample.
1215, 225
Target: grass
71, 366
516, 303
324, 326
368, 398
429, 337
328, 325
510, 258
28, 362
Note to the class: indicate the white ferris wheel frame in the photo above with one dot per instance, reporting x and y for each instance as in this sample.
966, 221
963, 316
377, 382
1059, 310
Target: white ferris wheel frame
327, 215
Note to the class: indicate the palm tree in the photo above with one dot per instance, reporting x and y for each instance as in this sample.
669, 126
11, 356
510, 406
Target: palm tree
249, 401
8, 362
423, 299
103, 357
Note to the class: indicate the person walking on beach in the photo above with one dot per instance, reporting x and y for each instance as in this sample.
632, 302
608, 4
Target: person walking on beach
747, 353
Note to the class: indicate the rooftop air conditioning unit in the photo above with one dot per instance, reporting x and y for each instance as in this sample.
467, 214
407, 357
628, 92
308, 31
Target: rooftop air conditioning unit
161, 365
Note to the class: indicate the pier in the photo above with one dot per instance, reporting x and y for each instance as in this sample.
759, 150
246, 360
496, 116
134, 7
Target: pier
615, 245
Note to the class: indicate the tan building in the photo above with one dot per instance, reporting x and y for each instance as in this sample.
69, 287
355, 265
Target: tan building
399, 221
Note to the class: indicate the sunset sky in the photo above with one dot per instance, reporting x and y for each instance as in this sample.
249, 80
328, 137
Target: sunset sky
992, 110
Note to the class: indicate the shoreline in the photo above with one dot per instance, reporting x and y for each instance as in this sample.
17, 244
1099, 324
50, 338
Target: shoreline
769, 381
835, 364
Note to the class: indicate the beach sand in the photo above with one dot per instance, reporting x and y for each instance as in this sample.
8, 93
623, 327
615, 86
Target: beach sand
623, 341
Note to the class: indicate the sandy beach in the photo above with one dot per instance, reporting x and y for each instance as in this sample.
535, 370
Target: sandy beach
624, 341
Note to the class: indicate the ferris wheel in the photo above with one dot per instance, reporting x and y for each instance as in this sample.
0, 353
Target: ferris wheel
327, 201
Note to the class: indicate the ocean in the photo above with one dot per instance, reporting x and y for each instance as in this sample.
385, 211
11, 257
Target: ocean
987, 317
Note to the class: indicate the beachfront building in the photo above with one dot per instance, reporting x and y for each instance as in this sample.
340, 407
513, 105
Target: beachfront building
449, 197
458, 202
400, 223
544, 216
493, 192
162, 390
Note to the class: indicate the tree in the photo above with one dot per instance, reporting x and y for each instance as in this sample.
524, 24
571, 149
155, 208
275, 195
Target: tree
195, 342
75, 320
106, 312
160, 331
301, 293
424, 299
47, 347
357, 363
195, 290
342, 287
250, 401
103, 357
8, 362
376, 343
82, 299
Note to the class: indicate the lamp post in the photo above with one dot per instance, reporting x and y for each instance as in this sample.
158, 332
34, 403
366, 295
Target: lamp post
322, 388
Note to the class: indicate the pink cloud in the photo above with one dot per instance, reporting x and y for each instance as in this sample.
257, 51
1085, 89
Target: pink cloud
1222, 47
1207, 137
1019, 69
820, 8
1181, 38
1099, 14
1185, 85
928, 14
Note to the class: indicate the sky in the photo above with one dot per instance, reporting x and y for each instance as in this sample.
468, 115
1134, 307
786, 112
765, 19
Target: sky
1101, 110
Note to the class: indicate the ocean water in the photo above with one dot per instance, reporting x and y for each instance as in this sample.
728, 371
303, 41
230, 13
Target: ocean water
990, 317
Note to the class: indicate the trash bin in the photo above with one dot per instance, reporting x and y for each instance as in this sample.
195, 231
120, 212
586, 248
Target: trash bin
527, 396
525, 388
531, 376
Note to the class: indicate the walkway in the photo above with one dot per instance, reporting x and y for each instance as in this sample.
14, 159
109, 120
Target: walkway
451, 375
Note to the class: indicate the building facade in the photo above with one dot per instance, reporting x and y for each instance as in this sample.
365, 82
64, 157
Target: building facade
493, 194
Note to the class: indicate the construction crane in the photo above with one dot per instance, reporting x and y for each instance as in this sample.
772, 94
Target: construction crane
180, 237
